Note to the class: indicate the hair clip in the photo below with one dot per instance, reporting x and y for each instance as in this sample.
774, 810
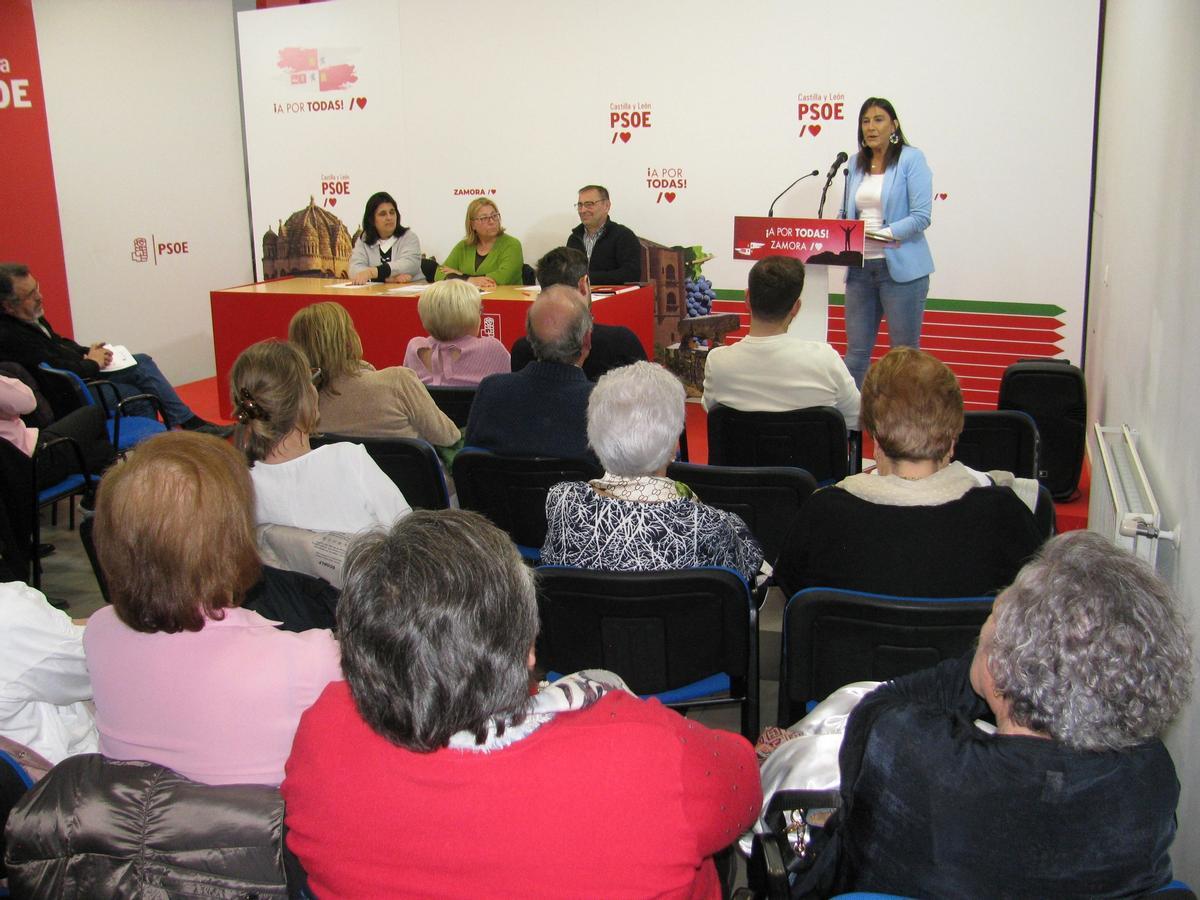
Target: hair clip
247, 408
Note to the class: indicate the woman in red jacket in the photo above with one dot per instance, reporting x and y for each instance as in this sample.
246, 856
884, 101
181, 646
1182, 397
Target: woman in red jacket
433, 772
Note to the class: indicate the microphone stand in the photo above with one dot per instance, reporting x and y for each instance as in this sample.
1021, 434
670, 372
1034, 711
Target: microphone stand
771, 211
825, 190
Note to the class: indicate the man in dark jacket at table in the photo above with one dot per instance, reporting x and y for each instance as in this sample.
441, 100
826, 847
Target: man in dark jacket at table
613, 346
613, 252
27, 338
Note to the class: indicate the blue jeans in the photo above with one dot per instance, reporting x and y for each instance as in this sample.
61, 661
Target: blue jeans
145, 378
871, 295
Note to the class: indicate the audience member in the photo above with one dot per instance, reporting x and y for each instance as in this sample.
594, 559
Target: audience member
436, 718
336, 487
771, 370
635, 518
27, 338
44, 683
487, 256
85, 426
541, 410
355, 398
613, 252
184, 676
920, 525
613, 346
454, 354
386, 251
1083, 663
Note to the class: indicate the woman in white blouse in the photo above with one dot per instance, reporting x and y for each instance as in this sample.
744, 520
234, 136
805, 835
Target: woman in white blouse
890, 187
336, 487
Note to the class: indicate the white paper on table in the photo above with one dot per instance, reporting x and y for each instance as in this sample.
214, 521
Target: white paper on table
409, 290
121, 358
348, 285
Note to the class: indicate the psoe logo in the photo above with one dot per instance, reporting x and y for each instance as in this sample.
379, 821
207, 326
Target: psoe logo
151, 250
489, 326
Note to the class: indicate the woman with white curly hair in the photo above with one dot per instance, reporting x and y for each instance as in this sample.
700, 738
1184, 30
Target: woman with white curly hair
1083, 663
635, 519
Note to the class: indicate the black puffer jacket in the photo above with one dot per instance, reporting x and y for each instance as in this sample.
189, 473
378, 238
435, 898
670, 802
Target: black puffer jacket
95, 827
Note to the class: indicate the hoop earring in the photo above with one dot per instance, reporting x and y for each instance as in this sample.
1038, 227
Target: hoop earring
893, 139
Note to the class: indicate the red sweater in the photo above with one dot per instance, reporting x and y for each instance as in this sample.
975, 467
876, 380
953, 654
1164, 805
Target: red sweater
623, 799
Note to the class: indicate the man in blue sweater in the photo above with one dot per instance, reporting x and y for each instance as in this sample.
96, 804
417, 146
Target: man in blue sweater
542, 409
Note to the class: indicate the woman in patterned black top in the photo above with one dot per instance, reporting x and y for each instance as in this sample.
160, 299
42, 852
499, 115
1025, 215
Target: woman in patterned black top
635, 518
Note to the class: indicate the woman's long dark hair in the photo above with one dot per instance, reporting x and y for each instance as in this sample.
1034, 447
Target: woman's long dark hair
371, 236
892, 155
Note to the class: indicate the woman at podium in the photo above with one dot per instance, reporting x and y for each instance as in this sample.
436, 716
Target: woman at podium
890, 187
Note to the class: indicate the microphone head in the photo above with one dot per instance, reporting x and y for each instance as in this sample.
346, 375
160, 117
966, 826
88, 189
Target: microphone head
842, 157
814, 173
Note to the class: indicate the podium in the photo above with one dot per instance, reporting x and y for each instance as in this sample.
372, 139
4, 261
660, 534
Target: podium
818, 243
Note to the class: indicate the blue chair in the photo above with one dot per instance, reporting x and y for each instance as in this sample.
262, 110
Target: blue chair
24, 501
124, 431
681, 635
834, 637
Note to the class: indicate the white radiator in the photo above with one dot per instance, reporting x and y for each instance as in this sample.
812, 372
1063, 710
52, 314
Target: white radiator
1122, 505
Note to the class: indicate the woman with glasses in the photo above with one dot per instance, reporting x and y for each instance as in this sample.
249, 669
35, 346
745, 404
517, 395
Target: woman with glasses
335, 487
487, 256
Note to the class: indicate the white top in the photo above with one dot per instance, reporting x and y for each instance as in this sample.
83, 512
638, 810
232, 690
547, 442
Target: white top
43, 677
778, 373
869, 200
337, 487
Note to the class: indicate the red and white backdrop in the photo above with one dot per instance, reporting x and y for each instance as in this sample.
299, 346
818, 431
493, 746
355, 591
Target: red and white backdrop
29, 226
691, 117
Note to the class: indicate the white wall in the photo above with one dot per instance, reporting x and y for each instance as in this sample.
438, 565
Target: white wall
1144, 315
145, 132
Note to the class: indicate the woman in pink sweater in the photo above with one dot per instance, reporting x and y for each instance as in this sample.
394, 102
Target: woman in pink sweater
454, 354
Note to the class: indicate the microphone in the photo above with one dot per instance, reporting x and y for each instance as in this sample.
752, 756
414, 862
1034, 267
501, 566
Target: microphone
814, 172
837, 164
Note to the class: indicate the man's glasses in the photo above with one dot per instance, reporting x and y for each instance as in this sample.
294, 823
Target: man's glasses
588, 204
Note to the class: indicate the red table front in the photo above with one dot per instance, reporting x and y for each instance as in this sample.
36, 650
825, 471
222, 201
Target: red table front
386, 322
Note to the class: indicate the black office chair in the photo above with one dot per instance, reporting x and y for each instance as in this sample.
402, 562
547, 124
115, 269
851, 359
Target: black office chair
411, 463
455, 402
767, 498
834, 637
682, 635
511, 491
429, 267
1004, 439
814, 439
528, 275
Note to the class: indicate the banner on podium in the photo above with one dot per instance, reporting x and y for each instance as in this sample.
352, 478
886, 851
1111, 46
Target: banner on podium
818, 242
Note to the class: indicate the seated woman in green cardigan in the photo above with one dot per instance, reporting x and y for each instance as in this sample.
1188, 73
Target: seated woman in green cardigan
487, 256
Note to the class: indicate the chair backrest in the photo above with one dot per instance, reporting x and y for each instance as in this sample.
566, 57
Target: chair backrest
1045, 513
455, 402
19, 506
65, 390
814, 439
411, 463
658, 630
511, 491
88, 539
834, 637
767, 498
1004, 439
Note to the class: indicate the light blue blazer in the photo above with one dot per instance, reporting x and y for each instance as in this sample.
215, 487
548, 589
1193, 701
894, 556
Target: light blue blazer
907, 205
